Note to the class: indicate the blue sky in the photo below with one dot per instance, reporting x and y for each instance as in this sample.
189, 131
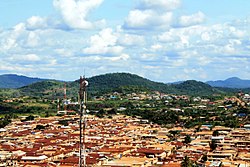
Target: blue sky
162, 40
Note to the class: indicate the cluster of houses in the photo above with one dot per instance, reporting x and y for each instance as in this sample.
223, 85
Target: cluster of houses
120, 141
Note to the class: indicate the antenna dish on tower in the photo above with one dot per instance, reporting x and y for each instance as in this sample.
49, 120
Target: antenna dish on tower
85, 82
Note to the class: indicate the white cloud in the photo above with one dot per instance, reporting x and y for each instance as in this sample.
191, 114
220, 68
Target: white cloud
36, 22
156, 47
148, 56
236, 32
159, 4
147, 39
64, 52
147, 19
123, 57
179, 62
19, 28
198, 72
131, 39
31, 57
8, 44
25, 58
11, 38
150, 15
168, 36
52, 62
33, 39
104, 43
229, 49
15, 69
75, 12
104, 60
193, 19
139, 18
205, 36
204, 60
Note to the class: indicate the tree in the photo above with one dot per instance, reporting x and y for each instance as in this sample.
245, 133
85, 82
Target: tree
173, 134
30, 118
186, 162
100, 114
213, 145
47, 114
112, 111
63, 122
187, 139
216, 133
204, 158
39, 127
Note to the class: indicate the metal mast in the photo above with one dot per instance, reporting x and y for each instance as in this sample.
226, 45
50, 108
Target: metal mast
65, 96
82, 122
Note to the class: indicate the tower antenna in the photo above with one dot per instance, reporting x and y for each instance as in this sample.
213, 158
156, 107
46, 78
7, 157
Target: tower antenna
82, 121
65, 96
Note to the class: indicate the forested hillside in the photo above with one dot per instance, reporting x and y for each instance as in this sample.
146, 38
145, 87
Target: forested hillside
119, 82
16, 81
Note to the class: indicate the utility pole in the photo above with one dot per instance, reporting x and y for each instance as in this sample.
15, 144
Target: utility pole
82, 121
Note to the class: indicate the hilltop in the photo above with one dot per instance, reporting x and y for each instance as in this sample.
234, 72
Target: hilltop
17, 81
111, 82
233, 82
119, 82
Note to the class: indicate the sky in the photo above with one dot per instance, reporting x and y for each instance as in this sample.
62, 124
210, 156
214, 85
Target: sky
162, 40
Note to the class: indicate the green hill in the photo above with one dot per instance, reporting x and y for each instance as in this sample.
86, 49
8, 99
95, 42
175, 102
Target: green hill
120, 82
16, 81
44, 88
192, 87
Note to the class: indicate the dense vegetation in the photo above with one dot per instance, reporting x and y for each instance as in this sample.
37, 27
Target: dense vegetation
16, 81
119, 82
45, 89
192, 87
40, 98
30, 106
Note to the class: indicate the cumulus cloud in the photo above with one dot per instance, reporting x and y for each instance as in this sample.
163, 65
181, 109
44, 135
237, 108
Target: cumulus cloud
150, 15
32, 39
11, 38
131, 39
105, 42
75, 12
164, 5
193, 19
147, 39
147, 19
36, 22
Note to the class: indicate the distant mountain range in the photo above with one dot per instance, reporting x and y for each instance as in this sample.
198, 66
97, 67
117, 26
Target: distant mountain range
16, 81
233, 82
120, 82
